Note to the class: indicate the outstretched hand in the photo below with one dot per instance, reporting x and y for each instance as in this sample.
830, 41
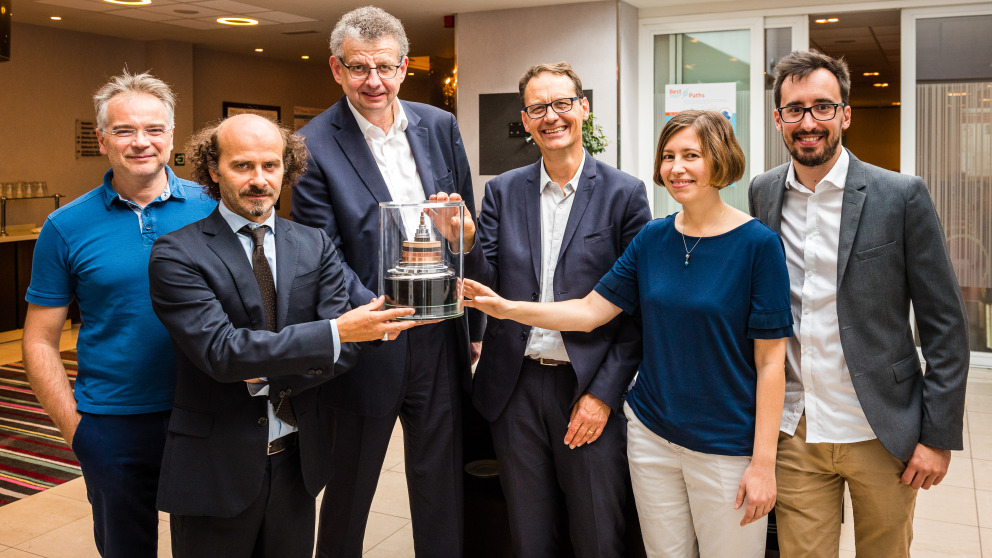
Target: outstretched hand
448, 220
484, 299
369, 323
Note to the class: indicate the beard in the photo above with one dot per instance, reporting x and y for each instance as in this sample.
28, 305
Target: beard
258, 208
808, 158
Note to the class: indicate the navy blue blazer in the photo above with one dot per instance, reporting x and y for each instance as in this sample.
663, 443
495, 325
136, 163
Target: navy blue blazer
340, 193
609, 209
205, 293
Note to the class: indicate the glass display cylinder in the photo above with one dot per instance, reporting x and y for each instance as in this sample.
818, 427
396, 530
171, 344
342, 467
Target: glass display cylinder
420, 258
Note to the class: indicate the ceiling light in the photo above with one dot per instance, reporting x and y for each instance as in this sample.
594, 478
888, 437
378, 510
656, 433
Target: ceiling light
55, 18
868, 74
409, 73
896, 103
259, 50
235, 20
827, 20
305, 57
958, 94
130, 2
881, 84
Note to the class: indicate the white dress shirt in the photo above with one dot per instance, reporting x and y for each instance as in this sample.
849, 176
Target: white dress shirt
392, 153
277, 428
817, 377
556, 205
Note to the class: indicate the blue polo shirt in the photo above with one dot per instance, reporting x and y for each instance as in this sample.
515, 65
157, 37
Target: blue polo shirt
95, 250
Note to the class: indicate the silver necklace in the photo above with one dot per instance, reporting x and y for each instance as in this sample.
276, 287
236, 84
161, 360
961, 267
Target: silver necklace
686, 246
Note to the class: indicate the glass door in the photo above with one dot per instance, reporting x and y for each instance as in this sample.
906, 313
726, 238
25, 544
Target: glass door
727, 60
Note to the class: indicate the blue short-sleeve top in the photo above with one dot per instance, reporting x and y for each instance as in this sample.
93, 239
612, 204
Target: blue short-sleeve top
697, 382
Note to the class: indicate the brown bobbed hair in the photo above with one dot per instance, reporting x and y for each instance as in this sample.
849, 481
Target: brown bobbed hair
723, 155
203, 152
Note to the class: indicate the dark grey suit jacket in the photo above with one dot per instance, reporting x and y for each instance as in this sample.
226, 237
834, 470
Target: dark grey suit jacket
609, 209
892, 253
204, 291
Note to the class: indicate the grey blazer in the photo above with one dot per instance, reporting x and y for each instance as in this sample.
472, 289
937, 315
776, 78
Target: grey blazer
892, 253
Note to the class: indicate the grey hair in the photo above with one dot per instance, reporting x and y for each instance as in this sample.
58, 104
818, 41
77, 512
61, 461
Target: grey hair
368, 24
128, 83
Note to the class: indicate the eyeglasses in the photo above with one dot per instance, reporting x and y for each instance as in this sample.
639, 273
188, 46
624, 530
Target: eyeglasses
822, 112
537, 110
128, 133
361, 71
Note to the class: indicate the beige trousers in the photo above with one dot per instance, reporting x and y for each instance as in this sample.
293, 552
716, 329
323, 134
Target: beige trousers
810, 498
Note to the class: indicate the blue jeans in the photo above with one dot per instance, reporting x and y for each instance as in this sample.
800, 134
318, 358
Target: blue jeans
120, 456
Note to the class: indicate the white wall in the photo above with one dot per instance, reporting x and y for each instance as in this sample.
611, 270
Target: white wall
495, 48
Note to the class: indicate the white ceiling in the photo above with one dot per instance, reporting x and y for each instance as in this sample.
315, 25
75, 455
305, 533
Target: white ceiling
287, 29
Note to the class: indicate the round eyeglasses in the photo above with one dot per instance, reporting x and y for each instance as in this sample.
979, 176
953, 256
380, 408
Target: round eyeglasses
822, 112
362, 71
537, 110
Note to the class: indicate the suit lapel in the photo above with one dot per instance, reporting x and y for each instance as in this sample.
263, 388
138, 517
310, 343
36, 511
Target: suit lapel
419, 139
583, 193
850, 213
531, 197
223, 242
287, 252
356, 149
773, 215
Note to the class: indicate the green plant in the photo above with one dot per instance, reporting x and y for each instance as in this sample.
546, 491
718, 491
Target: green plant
593, 138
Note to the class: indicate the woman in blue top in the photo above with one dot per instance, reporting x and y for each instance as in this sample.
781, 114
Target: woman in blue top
712, 287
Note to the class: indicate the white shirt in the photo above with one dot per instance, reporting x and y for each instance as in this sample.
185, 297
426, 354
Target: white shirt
277, 428
556, 205
392, 153
817, 377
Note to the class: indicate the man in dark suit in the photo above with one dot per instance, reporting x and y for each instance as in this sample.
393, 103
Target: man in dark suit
862, 244
369, 148
256, 307
549, 231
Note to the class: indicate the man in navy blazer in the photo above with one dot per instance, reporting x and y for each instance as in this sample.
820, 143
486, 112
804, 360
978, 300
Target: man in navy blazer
369, 148
549, 231
241, 470
865, 249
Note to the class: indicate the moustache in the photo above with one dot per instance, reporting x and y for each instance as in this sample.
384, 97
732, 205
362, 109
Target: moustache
256, 191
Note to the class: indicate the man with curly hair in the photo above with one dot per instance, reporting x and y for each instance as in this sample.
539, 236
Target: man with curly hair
95, 250
259, 318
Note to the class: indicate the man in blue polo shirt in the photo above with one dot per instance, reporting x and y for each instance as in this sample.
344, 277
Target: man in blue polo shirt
95, 250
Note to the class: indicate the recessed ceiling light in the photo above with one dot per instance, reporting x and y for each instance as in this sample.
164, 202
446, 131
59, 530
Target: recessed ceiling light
867, 74
827, 20
259, 50
305, 57
130, 2
409, 73
881, 84
896, 103
55, 18
237, 21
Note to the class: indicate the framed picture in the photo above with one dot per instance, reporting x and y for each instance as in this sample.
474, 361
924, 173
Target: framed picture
268, 111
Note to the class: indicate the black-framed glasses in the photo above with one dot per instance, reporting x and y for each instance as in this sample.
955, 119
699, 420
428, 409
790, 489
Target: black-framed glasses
537, 110
822, 111
362, 71
128, 133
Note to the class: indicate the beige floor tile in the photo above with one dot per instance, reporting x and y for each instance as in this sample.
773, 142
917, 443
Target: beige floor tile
979, 386
950, 504
979, 423
938, 538
75, 489
982, 469
394, 453
847, 554
986, 536
847, 531
968, 443
36, 515
391, 497
15, 553
978, 402
164, 541
983, 500
398, 545
380, 528
399, 467
74, 540
960, 473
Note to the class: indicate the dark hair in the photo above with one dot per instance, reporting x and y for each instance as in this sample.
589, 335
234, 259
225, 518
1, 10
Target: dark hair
203, 152
722, 153
801, 63
559, 69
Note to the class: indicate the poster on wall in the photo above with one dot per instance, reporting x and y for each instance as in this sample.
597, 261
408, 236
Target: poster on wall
302, 115
720, 97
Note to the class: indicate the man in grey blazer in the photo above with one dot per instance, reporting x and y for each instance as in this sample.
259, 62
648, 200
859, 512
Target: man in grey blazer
862, 244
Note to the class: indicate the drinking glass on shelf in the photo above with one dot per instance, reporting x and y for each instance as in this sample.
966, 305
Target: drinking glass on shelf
19, 189
44, 189
7, 189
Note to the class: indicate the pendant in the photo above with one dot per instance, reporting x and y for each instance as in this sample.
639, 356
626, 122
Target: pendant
686, 259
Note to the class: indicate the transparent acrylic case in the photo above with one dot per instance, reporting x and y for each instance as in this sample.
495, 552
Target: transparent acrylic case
420, 265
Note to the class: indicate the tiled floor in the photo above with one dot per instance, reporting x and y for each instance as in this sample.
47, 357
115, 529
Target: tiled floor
953, 519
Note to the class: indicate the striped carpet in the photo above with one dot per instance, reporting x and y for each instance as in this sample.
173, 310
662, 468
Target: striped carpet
33, 456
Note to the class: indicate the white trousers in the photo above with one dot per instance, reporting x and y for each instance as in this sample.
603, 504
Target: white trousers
685, 499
